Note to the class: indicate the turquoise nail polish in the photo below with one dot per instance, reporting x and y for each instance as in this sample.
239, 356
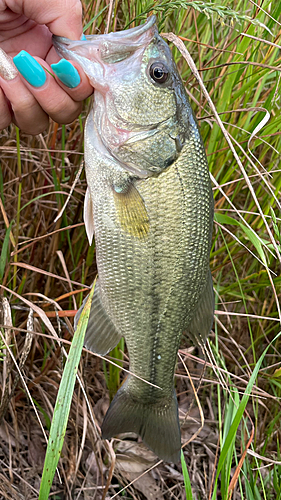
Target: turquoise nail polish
67, 74
83, 37
30, 69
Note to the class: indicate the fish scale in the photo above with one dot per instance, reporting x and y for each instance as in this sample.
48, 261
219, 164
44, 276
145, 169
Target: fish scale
149, 204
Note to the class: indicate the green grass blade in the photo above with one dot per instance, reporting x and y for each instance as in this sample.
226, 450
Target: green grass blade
63, 402
44, 413
94, 18
251, 235
4, 251
237, 419
187, 484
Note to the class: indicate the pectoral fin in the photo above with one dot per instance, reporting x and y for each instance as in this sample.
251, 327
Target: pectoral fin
203, 317
101, 335
88, 216
131, 211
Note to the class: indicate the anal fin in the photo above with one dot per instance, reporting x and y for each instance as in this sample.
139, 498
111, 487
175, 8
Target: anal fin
101, 334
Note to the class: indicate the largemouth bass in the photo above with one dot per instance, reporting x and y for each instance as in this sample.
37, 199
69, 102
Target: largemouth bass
149, 204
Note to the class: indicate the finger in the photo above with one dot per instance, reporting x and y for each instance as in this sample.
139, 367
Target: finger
37, 41
7, 72
63, 69
5, 114
55, 101
27, 112
63, 17
72, 79
23, 108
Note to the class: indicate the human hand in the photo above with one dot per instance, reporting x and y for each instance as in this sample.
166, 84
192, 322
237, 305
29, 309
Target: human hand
29, 95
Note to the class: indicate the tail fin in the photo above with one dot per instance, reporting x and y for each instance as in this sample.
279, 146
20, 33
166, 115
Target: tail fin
157, 424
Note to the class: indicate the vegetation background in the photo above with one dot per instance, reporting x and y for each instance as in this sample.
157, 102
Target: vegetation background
46, 267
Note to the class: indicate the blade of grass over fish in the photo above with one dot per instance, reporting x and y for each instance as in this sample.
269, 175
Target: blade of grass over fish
238, 417
63, 402
187, 484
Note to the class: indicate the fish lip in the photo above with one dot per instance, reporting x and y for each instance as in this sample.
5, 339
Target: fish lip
62, 43
139, 30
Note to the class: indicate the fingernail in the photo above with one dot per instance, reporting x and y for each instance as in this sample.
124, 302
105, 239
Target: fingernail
8, 71
67, 74
30, 69
83, 38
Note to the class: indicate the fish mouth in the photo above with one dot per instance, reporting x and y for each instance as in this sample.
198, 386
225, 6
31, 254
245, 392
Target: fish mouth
98, 55
110, 48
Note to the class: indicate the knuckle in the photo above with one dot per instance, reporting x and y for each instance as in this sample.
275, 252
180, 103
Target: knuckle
25, 106
66, 112
58, 106
38, 128
72, 116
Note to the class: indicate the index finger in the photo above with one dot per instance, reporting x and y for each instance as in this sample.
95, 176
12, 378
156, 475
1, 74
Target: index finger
63, 17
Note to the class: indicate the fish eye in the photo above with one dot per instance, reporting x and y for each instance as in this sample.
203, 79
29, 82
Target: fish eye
159, 72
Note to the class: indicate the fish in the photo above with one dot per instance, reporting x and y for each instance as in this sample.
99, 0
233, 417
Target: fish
149, 205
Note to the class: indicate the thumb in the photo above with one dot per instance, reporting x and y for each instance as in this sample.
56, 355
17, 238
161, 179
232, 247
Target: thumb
63, 17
